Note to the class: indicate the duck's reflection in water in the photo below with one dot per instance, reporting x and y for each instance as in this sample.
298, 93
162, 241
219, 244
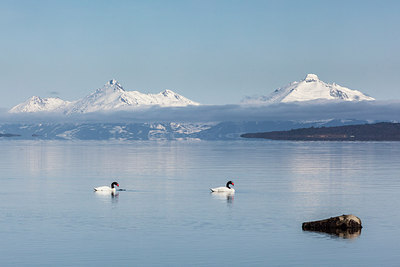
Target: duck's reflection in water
224, 196
105, 196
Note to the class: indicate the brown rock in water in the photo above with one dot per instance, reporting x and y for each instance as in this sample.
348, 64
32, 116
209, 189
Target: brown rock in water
346, 226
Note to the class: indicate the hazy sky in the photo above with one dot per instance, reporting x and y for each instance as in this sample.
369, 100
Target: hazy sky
213, 52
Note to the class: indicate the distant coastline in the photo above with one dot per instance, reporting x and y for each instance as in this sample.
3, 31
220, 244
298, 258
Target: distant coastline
383, 131
8, 135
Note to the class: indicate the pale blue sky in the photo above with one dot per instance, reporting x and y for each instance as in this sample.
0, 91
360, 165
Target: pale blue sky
213, 52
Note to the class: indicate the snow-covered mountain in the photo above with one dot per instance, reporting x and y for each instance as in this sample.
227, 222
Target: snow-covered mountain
111, 97
309, 89
35, 104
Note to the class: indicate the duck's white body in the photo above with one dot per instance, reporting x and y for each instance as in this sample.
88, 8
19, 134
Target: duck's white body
105, 189
222, 189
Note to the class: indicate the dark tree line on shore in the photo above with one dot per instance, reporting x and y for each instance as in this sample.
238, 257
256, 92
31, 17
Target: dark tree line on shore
383, 131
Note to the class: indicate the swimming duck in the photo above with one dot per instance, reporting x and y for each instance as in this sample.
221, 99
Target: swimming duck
107, 188
224, 189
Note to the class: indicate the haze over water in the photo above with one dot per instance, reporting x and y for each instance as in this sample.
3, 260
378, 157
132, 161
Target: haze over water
50, 216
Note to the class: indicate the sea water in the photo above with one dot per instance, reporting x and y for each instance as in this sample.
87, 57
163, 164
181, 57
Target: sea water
166, 215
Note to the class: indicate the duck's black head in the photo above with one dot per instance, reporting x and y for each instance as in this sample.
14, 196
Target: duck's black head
114, 184
229, 183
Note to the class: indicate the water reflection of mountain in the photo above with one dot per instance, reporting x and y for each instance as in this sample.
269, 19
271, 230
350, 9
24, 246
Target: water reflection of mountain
154, 131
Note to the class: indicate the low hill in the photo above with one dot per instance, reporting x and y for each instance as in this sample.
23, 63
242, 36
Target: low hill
383, 131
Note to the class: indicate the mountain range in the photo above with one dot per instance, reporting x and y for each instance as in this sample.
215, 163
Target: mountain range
309, 89
110, 97
192, 121
113, 97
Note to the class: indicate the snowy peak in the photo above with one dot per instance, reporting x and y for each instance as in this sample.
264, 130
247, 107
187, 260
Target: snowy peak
174, 96
167, 93
112, 82
311, 78
112, 85
170, 98
35, 104
111, 96
310, 89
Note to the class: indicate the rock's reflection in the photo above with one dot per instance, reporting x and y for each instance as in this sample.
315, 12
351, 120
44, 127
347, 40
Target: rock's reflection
346, 234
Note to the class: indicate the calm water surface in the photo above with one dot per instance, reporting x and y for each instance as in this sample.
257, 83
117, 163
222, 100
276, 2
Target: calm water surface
50, 216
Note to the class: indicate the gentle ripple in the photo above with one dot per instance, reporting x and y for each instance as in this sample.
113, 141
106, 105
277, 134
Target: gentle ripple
50, 216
